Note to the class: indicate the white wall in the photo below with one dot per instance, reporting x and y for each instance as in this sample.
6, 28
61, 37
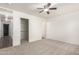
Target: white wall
35, 27
64, 28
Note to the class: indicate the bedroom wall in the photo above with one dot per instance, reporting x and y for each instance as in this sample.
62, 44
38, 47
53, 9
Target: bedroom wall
64, 28
36, 29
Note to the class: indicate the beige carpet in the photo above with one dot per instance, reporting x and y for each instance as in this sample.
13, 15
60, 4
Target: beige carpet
42, 47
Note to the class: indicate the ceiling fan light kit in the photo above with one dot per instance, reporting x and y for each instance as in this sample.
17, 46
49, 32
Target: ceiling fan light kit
46, 10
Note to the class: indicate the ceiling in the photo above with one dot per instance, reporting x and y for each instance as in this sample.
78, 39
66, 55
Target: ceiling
31, 8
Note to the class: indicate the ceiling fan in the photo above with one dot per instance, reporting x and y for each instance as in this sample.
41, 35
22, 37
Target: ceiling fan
46, 8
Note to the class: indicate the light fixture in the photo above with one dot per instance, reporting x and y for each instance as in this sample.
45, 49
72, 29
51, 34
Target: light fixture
46, 10
8, 18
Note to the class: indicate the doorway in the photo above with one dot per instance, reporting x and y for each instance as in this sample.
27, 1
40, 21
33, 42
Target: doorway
5, 29
24, 30
5, 40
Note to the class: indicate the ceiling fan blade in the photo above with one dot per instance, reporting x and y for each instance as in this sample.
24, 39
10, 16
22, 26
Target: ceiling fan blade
48, 12
46, 6
49, 4
40, 8
52, 8
41, 11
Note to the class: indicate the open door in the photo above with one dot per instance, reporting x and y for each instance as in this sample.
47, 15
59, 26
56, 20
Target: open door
6, 29
24, 30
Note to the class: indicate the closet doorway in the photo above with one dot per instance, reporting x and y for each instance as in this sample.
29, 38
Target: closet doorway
24, 30
6, 29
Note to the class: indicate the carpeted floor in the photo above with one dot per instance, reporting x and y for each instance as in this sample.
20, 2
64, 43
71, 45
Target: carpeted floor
42, 47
